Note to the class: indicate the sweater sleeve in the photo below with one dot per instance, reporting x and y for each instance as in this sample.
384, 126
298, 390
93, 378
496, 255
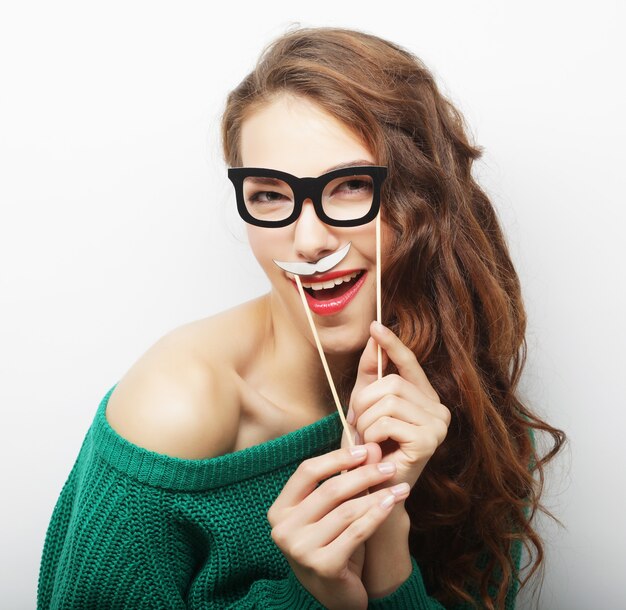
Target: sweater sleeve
113, 543
411, 594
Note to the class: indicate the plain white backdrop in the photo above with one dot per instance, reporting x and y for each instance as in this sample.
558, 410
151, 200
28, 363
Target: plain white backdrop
118, 224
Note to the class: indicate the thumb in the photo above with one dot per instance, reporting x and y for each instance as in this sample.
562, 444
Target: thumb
368, 365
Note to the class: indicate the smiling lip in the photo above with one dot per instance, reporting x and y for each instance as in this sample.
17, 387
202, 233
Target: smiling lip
331, 275
332, 306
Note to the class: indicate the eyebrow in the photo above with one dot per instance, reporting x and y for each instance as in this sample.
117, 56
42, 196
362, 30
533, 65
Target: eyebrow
349, 164
265, 180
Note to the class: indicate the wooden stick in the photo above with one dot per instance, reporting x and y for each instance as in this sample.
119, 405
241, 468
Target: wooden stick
324, 363
378, 294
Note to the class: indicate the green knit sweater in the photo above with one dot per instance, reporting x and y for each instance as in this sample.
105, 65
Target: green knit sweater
135, 529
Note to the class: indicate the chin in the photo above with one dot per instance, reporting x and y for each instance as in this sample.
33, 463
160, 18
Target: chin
344, 339
344, 332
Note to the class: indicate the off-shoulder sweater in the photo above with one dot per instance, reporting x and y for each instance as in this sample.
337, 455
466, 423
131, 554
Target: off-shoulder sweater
135, 529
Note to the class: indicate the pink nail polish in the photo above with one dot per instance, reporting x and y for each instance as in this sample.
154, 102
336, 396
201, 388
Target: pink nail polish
358, 452
400, 490
388, 501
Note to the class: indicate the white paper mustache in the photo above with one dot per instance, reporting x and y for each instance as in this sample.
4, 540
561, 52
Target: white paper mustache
321, 266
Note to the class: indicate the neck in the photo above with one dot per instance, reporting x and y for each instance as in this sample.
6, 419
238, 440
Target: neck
296, 355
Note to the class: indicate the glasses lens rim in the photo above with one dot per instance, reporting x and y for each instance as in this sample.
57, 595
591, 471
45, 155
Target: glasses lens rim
301, 187
266, 210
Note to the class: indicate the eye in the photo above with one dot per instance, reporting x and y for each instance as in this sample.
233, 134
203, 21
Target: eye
358, 186
262, 197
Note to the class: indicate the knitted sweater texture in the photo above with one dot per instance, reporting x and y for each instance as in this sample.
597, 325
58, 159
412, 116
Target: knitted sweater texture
135, 529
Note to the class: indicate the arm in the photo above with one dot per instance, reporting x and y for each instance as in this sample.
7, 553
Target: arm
392, 576
388, 590
146, 516
401, 412
389, 561
115, 543
133, 523
133, 528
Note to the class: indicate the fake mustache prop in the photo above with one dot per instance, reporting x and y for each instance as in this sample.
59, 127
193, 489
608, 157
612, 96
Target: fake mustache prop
321, 266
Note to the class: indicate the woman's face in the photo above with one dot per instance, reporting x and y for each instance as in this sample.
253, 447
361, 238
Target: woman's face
294, 135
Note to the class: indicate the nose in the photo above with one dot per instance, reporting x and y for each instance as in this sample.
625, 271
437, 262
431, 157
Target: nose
312, 238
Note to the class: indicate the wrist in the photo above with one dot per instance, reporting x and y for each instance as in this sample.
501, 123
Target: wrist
396, 526
387, 557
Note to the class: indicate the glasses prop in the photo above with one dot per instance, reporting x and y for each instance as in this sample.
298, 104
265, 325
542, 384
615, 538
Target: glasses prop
346, 197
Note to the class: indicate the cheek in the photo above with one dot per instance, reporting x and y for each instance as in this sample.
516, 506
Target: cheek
364, 239
255, 240
266, 245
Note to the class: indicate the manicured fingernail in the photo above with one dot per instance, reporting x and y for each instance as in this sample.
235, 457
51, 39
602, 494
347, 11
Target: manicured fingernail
379, 327
350, 416
358, 452
401, 490
388, 501
387, 467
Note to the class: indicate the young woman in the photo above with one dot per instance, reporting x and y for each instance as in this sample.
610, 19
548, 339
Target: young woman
216, 475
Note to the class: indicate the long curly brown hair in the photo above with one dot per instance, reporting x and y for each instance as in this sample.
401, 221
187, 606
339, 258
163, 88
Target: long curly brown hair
450, 292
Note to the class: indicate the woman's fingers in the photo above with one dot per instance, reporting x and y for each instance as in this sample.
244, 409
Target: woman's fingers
350, 533
393, 385
403, 358
416, 442
310, 472
338, 489
320, 521
392, 406
399, 408
338, 533
333, 524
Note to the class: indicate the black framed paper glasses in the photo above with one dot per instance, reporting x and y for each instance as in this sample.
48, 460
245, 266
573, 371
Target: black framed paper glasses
345, 197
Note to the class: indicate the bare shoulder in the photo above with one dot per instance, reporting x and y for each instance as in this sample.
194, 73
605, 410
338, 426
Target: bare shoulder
181, 397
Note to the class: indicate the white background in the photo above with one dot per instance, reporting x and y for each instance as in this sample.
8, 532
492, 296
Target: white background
117, 224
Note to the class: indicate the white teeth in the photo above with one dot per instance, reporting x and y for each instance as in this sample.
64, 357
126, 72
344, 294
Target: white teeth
330, 283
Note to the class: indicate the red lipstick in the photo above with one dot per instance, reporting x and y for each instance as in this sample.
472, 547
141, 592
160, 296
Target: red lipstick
331, 275
336, 304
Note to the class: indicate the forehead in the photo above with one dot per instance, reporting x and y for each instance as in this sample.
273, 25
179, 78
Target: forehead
295, 135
